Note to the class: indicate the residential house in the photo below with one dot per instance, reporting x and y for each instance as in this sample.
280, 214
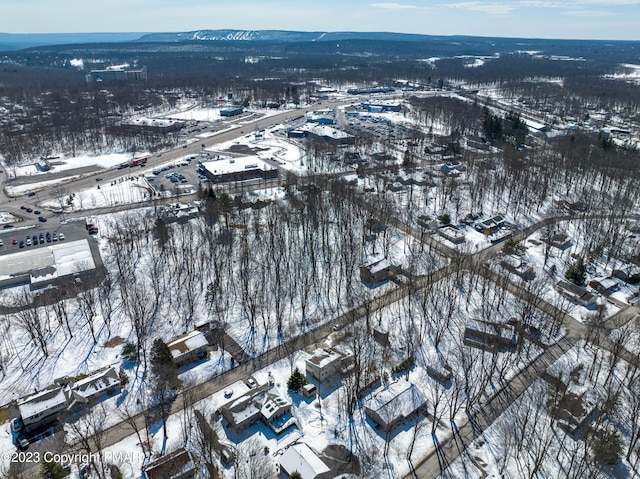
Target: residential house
43, 407
377, 271
324, 363
605, 286
573, 412
629, 273
188, 348
452, 234
262, 403
427, 222
489, 336
301, 458
392, 404
490, 225
177, 465
90, 389
559, 240
576, 293
518, 267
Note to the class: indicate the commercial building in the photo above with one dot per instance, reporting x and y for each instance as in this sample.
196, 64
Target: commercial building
117, 74
49, 264
234, 111
238, 169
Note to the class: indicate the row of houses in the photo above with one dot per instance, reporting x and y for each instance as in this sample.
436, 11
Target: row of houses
44, 407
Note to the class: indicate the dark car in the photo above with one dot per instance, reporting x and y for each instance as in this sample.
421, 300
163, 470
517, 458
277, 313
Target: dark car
36, 212
33, 193
42, 219
8, 225
21, 244
28, 210
98, 179
34, 238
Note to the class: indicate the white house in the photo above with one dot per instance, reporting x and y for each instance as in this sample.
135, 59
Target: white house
388, 406
299, 457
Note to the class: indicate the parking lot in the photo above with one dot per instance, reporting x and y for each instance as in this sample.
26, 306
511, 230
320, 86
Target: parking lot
181, 173
38, 236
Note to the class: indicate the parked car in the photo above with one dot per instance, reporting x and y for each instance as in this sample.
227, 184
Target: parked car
55, 236
16, 424
61, 236
251, 383
8, 225
36, 212
21, 244
15, 240
28, 241
32, 193
28, 210
42, 219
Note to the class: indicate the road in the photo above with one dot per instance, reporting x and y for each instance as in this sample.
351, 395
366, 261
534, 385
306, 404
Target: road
450, 447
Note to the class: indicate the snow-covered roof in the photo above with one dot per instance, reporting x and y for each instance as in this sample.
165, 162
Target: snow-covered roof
187, 343
323, 357
379, 265
51, 261
301, 458
274, 405
40, 403
97, 383
606, 283
398, 400
236, 165
324, 130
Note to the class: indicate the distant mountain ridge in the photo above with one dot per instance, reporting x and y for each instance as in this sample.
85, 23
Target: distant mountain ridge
283, 36
17, 41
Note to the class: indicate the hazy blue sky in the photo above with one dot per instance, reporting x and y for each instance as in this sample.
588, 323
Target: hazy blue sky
588, 19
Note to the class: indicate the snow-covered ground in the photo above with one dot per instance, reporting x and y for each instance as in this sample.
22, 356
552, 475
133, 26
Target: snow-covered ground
527, 436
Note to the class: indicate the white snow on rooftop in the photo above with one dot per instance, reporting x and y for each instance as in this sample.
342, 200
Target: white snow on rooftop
234, 165
301, 458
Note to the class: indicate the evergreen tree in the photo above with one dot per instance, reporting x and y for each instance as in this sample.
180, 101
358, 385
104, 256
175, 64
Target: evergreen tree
296, 381
52, 470
129, 352
163, 367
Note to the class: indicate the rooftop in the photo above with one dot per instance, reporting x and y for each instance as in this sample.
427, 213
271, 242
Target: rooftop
301, 458
236, 165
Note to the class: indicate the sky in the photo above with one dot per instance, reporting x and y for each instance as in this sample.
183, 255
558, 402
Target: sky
579, 19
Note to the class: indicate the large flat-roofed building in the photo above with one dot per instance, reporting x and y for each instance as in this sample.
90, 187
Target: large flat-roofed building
159, 125
238, 169
117, 74
233, 111
44, 265
327, 134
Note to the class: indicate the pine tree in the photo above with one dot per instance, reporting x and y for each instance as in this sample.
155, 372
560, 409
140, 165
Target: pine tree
296, 381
